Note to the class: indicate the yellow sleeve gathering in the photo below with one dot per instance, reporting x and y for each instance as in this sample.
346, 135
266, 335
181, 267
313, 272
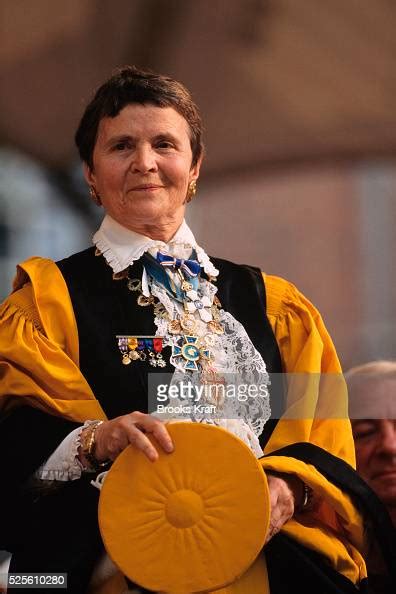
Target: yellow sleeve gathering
334, 528
39, 346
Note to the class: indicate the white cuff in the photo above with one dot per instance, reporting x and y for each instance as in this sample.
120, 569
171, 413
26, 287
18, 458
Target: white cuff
63, 464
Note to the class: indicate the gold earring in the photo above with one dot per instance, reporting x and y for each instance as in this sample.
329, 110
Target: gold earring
95, 196
192, 190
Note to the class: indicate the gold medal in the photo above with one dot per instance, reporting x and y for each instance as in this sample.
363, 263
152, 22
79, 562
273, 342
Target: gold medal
134, 284
126, 360
216, 301
145, 301
134, 356
187, 322
174, 327
216, 327
159, 310
215, 313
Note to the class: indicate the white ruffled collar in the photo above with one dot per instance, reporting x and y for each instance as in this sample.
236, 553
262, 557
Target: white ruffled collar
121, 246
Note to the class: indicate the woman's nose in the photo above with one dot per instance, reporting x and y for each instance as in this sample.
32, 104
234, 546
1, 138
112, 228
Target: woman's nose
144, 160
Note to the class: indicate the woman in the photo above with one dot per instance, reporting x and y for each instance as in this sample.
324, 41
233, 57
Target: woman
71, 406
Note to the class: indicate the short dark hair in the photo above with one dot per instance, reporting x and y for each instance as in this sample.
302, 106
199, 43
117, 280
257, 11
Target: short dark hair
131, 85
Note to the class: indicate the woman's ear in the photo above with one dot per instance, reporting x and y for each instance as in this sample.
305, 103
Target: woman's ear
195, 169
89, 176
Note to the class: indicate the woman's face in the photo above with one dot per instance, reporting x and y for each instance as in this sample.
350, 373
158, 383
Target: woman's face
142, 168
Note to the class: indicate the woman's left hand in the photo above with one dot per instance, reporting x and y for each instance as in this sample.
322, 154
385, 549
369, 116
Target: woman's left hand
286, 493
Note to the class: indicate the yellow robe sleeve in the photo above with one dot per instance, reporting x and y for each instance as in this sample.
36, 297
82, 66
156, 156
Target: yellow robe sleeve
39, 346
308, 356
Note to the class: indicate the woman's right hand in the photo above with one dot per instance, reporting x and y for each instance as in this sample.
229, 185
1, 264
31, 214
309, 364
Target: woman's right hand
112, 437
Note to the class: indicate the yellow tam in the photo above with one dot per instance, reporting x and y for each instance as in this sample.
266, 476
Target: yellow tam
194, 520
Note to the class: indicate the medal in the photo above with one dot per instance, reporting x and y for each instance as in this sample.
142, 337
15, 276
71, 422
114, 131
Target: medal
216, 327
174, 327
123, 346
134, 284
137, 348
189, 353
159, 310
158, 346
144, 301
187, 322
160, 360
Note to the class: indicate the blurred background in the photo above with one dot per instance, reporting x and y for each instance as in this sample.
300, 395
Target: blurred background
298, 102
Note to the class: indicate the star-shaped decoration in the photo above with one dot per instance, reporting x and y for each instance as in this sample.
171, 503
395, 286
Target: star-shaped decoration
189, 353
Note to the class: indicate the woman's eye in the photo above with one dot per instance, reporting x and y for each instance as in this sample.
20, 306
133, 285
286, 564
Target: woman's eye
122, 145
164, 144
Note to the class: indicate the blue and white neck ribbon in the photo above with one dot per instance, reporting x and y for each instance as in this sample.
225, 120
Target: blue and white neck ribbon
190, 268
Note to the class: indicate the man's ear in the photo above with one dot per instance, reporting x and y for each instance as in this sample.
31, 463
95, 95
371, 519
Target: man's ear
89, 175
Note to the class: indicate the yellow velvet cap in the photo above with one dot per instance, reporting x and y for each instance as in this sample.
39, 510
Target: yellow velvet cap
194, 520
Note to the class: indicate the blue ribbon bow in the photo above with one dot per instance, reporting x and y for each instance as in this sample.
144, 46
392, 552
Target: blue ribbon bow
191, 268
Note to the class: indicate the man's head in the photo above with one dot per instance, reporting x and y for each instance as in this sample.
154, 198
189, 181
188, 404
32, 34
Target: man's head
372, 396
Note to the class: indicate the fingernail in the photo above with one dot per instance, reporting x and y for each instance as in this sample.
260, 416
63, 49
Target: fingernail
169, 446
153, 456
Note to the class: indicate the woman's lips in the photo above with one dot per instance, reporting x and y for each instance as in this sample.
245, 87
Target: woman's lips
146, 188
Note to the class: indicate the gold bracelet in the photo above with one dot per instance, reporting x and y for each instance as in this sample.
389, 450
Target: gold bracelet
88, 446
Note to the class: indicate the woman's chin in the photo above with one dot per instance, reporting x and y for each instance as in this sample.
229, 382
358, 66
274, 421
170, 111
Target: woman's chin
147, 218
143, 208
